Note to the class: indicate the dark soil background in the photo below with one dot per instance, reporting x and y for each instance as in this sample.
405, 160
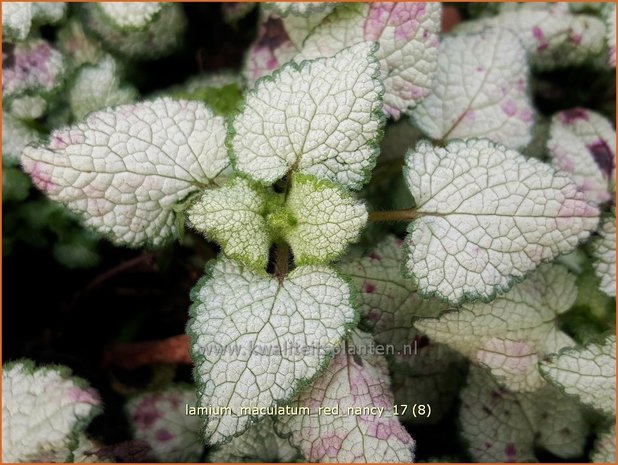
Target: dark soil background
53, 314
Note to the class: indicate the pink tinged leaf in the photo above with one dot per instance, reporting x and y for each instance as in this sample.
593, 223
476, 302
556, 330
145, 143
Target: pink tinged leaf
84, 395
164, 435
572, 115
369, 288
404, 16
146, 413
510, 452
603, 156
509, 107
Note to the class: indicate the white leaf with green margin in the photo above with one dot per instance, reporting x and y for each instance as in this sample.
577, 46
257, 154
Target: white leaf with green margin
480, 90
583, 144
98, 86
355, 378
15, 136
325, 220
131, 15
158, 418
408, 36
512, 333
35, 67
485, 216
588, 373
17, 17
605, 447
388, 301
502, 426
604, 255
256, 340
16, 20
233, 216
610, 19
158, 38
258, 444
44, 410
552, 36
298, 8
124, 169
322, 117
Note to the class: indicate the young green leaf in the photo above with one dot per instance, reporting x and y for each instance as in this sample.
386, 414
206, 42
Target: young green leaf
259, 444
325, 220
124, 169
98, 86
131, 15
159, 419
588, 373
233, 216
480, 90
550, 33
408, 36
604, 253
503, 426
44, 410
583, 143
487, 216
33, 67
256, 340
512, 333
322, 117
356, 379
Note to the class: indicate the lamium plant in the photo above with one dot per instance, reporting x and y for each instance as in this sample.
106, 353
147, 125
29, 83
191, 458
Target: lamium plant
406, 226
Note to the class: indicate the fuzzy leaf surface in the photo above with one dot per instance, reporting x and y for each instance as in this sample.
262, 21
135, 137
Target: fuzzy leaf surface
259, 443
233, 216
35, 67
321, 118
159, 419
388, 301
513, 332
131, 14
326, 219
552, 36
604, 253
246, 329
487, 216
124, 169
480, 90
43, 412
588, 373
502, 426
352, 381
583, 144
98, 86
408, 36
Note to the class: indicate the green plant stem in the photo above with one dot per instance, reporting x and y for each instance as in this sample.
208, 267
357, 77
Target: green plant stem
407, 214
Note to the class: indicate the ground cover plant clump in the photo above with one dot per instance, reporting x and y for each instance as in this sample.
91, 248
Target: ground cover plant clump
309, 232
